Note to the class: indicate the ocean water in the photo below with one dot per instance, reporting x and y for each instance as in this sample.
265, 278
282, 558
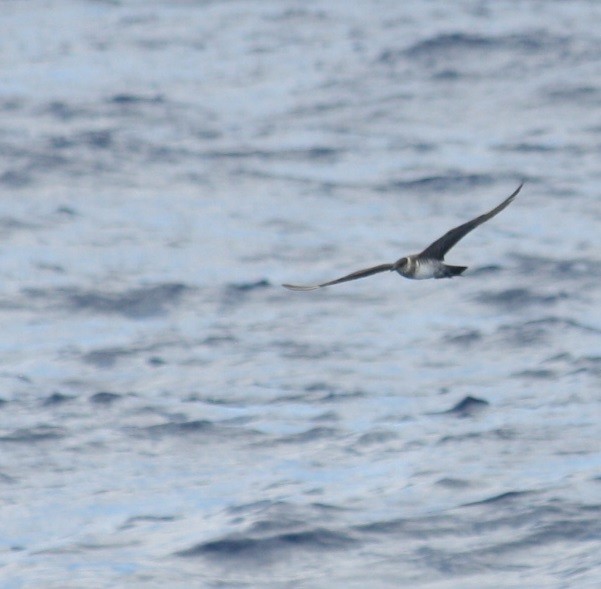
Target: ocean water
170, 416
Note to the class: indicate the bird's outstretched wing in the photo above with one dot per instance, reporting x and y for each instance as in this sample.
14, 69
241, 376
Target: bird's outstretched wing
353, 276
441, 246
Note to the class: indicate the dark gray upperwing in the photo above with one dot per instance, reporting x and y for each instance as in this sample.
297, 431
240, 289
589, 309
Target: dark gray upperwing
441, 246
353, 276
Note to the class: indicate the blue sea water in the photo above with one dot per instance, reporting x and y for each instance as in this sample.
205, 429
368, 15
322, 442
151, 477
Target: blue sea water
171, 417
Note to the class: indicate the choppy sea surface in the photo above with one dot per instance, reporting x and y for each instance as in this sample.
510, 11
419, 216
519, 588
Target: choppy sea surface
171, 417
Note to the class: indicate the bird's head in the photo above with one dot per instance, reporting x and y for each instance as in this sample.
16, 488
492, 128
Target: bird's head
400, 264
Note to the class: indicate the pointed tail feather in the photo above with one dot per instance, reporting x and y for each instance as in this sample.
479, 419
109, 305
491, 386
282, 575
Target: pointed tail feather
451, 271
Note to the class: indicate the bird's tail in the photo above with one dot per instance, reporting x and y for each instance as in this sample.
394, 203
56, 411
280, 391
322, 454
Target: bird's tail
451, 271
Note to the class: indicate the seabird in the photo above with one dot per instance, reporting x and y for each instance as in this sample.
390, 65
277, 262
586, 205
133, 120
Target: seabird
428, 263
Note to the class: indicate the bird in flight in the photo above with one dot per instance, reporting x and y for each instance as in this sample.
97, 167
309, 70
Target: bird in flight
428, 263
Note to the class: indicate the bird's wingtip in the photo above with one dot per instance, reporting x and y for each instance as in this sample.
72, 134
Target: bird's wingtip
299, 287
516, 191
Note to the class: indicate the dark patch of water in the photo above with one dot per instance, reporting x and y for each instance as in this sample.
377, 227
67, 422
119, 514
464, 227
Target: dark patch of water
136, 303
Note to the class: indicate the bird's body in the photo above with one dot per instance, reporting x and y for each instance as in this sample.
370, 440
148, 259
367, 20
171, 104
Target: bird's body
418, 268
427, 264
